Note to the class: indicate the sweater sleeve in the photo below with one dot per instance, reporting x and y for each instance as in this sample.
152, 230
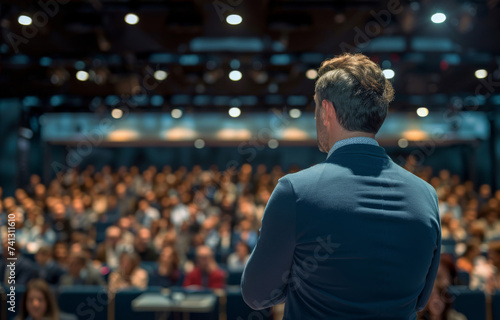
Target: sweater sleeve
265, 277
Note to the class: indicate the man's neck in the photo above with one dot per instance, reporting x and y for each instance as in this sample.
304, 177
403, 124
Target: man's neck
348, 134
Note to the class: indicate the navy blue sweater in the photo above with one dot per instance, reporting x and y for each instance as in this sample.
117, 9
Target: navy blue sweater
354, 237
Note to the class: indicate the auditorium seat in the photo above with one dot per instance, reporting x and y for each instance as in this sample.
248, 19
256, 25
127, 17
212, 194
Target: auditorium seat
495, 304
149, 266
123, 304
471, 303
236, 308
234, 278
463, 278
85, 302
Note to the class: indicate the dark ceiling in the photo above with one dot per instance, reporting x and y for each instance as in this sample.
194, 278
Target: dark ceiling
275, 45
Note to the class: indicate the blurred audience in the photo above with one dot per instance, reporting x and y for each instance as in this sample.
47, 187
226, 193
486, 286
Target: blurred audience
189, 226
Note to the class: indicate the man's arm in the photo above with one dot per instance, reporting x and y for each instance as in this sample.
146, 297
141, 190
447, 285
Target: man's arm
265, 278
431, 275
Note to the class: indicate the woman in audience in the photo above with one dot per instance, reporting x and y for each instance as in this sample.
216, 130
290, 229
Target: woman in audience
38, 303
168, 272
129, 274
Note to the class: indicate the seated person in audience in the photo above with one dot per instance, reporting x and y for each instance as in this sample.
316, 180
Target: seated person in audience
48, 269
237, 260
127, 233
472, 251
206, 273
61, 254
80, 273
25, 269
246, 234
439, 306
146, 214
60, 223
493, 280
109, 251
129, 274
168, 272
38, 303
490, 224
484, 275
80, 218
144, 246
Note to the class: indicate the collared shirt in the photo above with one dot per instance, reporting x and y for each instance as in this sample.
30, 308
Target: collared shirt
353, 140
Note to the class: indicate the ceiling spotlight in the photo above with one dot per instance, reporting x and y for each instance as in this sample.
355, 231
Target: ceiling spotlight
199, 143
176, 113
438, 17
388, 73
82, 75
422, 112
234, 112
403, 143
116, 113
160, 75
234, 19
481, 74
24, 20
295, 113
131, 18
235, 75
311, 74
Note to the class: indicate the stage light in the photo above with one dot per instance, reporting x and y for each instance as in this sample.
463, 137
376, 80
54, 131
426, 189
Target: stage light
273, 143
131, 18
311, 74
24, 20
234, 112
388, 73
160, 75
438, 17
295, 113
234, 19
235, 75
422, 112
116, 113
481, 74
403, 143
82, 75
176, 113
199, 143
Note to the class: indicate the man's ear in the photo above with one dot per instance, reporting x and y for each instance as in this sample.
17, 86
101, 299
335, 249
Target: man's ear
328, 112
